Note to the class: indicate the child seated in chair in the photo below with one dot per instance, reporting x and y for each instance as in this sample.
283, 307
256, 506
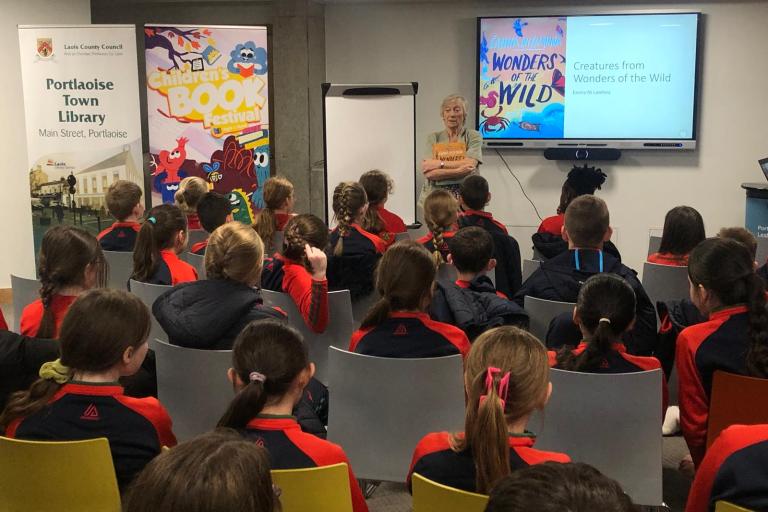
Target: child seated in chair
472, 302
683, 230
124, 204
214, 210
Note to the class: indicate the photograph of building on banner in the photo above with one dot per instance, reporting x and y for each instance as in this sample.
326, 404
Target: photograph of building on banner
208, 111
81, 101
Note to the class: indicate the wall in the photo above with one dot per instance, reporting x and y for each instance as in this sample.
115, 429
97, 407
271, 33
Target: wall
434, 44
17, 254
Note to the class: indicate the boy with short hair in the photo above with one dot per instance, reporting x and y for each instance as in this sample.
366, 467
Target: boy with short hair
214, 210
587, 228
472, 302
124, 204
473, 196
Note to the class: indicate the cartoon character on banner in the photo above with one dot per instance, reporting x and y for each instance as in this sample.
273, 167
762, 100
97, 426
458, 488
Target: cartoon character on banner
241, 206
232, 167
261, 163
167, 172
247, 60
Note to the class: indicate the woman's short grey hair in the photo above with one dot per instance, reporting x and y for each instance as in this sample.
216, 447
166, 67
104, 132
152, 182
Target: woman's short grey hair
455, 98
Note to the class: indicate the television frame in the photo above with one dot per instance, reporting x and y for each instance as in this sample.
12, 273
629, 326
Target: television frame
603, 142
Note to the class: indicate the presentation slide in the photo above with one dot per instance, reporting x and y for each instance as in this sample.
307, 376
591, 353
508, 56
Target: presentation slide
588, 77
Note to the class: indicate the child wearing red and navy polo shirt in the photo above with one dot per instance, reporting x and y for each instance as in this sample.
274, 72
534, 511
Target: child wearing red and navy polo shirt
605, 310
300, 270
683, 230
733, 470
270, 369
70, 262
378, 220
398, 325
277, 211
191, 191
124, 204
162, 238
500, 360
353, 251
214, 210
725, 287
81, 397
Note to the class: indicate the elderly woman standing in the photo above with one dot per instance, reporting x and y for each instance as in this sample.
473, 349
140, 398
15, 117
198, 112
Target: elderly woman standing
453, 153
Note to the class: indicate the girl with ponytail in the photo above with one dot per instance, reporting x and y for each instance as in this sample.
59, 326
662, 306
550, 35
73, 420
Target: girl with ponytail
162, 237
70, 263
353, 251
398, 325
379, 220
191, 191
103, 338
506, 378
441, 212
270, 369
724, 287
277, 211
300, 270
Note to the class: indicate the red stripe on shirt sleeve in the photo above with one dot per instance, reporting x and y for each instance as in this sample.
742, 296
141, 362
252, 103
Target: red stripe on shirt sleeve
309, 295
357, 336
431, 443
155, 413
454, 335
533, 456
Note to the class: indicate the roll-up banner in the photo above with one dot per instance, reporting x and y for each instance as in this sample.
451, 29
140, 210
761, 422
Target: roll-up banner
208, 111
81, 102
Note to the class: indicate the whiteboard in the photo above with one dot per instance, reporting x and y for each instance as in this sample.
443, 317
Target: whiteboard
371, 127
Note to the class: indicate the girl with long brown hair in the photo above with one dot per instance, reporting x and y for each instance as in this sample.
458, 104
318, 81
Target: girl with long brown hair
70, 263
398, 325
379, 220
300, 270
163, 236
209, 314
506, 378
270, 369
277, 211
353, 251
441, 212
103, 338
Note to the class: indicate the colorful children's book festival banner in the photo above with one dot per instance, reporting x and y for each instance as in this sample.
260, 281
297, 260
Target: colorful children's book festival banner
81, 103
208, 111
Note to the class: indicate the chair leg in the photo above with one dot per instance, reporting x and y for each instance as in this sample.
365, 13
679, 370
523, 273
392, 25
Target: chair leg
368, 487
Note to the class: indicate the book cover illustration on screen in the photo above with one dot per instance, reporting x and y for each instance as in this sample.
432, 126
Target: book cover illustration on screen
616, 78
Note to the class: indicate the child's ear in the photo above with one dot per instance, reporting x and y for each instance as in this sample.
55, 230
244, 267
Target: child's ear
608, 233
488, 198
128, 355
450, 259
564, 234
547, 395
576, 316
491, 265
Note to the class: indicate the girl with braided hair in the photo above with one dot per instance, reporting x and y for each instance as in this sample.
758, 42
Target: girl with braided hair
724, 287
70, 262
441, 211
506, 378
379, 220
277, 211
300, 270
353, 251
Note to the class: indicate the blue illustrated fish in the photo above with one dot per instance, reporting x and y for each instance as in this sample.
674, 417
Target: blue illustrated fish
518, 26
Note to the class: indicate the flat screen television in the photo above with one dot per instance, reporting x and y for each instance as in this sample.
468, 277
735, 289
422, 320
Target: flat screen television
618, 81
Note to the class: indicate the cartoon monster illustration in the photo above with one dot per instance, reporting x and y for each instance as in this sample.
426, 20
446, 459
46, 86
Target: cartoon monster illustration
247, 60
558, 82
490, 100
261, 164
212, 170
241, 206
518, 26
495, 122
167, 169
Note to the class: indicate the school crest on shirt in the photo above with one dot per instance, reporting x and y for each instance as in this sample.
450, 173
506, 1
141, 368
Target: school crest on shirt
45, 47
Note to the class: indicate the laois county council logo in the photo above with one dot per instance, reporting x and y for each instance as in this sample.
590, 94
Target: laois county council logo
44, 47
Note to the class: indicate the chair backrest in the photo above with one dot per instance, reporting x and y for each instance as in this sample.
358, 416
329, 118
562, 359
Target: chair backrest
665, 282
197, 261
120, 268
25, 291
196, 236
542, 312
361, 306
320, 489
762, 250
338, 332
529, 267
405, 235
654, 242
148, 293
725, 506
736, 399
48, 476
429, 496
593, 417
379, 408
192, 384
